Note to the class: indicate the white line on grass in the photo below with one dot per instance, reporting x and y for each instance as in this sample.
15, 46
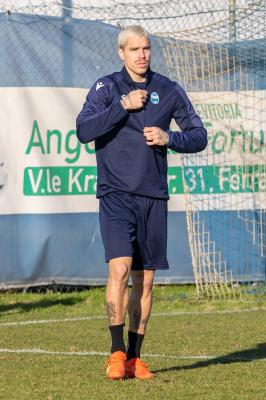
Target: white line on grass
99, 353
160, 314
51, 321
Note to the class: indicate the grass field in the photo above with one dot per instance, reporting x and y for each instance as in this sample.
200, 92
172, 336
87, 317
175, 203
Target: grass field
54, 347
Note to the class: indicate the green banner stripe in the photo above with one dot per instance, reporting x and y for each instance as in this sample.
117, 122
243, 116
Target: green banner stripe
54, 181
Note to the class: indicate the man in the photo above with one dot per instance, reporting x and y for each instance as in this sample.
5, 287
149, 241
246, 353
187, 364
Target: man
128, 114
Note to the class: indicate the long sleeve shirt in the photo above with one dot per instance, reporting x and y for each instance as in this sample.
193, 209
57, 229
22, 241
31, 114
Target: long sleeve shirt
124, 161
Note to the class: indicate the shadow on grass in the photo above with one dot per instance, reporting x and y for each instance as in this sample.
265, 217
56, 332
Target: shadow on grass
257, 353
45, 303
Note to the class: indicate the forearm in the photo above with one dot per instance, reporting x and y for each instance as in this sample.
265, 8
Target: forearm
192, 141
91, 126
193, 135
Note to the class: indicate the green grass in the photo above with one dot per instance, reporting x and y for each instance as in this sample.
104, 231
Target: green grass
235, 340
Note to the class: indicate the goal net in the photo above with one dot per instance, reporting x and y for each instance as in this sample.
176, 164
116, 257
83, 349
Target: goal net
221, 62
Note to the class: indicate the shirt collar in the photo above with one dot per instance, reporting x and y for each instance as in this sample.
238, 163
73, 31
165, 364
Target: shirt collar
128, 78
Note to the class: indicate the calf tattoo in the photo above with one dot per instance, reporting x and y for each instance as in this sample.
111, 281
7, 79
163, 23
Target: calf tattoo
138, 321
111, 311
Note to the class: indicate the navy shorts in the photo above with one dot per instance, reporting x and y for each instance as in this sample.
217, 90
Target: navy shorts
134, 226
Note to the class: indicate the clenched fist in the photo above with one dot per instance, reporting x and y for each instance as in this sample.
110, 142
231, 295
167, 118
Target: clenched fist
155, 135
134, 100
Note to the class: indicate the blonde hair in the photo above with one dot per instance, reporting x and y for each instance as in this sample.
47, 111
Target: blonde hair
131, 30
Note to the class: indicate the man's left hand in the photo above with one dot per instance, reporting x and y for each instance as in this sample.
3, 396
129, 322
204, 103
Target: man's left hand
155, 136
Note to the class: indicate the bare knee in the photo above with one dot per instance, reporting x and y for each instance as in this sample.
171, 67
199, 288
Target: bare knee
119, 270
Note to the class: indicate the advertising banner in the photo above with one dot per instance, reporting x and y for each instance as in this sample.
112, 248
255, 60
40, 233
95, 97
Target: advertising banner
45, 169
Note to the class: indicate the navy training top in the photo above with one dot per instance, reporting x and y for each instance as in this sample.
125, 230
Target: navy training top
124, 161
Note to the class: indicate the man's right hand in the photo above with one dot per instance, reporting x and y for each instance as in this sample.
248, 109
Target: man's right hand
134, 99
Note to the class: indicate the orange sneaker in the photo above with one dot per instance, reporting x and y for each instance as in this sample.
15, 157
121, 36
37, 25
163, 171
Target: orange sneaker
136, 368
116, 365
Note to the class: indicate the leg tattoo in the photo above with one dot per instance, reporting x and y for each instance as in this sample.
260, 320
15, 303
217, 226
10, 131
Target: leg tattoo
111, 312
138, 321
144, 322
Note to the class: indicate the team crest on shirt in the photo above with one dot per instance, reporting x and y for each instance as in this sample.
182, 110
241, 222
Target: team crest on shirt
155, 98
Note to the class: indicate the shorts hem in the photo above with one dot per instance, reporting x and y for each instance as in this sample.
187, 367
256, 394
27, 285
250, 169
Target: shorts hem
149, 267
138, 267
107, 259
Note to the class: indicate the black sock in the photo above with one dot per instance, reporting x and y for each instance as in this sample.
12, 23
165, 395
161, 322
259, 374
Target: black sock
117, 335
134, 344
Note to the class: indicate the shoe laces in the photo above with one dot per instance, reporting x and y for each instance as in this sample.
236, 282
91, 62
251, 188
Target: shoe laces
116, 358
142, 364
